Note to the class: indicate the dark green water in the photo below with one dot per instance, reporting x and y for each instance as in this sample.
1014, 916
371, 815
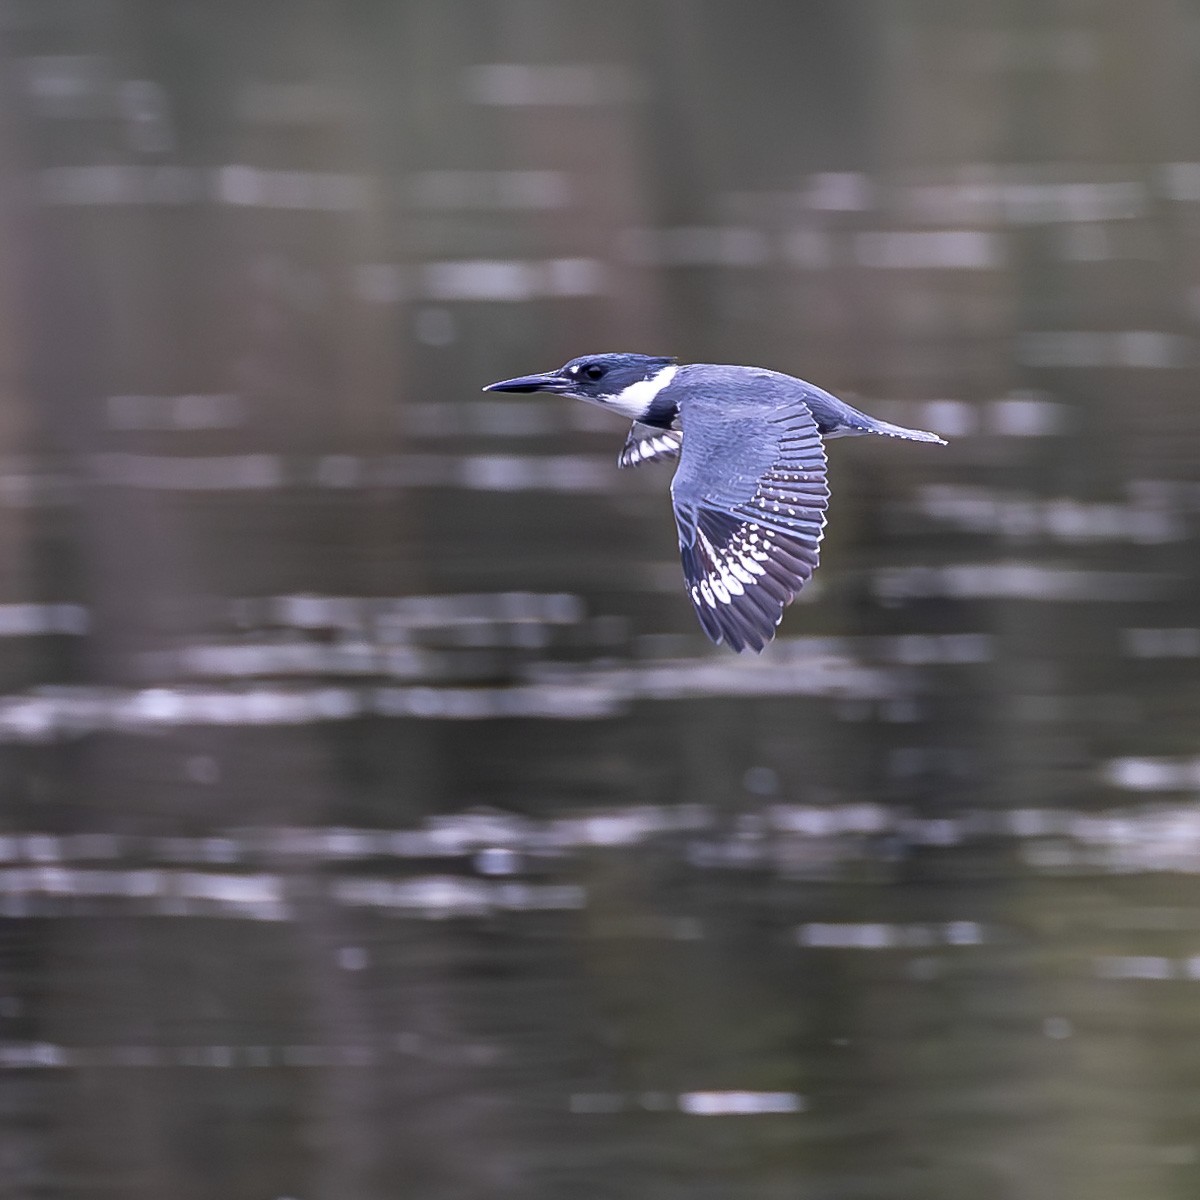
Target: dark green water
375, 820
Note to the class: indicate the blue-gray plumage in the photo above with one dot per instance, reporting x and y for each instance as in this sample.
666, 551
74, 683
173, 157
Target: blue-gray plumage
750, 492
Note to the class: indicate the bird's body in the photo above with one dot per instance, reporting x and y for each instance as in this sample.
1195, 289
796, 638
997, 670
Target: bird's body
750, 491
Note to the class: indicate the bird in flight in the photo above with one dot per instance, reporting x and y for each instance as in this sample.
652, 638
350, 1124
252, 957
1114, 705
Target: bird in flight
750, 491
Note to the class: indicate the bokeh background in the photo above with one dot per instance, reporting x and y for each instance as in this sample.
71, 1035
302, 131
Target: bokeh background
377, 822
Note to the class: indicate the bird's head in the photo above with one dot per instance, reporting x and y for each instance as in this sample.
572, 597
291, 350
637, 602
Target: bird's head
625, 383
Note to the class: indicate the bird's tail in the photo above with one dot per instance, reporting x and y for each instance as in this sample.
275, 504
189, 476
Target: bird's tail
899, 431
856, 423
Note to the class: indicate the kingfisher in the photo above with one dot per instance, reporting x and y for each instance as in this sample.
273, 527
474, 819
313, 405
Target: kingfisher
750, 490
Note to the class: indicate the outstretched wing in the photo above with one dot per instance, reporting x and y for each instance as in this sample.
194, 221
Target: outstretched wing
645, 444
750, 498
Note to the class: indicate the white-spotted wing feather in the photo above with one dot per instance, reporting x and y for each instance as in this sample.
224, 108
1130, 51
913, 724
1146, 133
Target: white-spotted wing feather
748, 548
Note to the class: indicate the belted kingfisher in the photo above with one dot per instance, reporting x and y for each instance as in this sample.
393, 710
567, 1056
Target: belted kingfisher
749, 493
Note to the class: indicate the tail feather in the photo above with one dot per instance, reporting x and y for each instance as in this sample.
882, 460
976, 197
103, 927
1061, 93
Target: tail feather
899, 431
835, 418
853, 423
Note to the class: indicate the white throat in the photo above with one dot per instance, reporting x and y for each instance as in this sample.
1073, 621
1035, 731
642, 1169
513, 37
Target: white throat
635, 400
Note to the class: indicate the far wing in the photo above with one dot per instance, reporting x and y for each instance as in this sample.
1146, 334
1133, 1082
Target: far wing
750, 510
646, 444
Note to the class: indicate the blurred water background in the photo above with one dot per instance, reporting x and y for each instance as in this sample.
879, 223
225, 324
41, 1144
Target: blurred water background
376, 821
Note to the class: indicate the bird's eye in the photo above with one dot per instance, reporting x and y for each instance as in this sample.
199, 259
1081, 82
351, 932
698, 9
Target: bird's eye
594, 371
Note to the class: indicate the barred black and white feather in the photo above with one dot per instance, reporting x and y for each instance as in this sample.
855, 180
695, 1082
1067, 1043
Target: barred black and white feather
645, 444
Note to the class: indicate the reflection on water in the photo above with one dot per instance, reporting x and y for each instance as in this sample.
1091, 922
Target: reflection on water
377, 822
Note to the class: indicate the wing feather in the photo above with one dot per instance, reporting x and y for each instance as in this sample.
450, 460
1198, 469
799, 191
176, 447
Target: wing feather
646, 444
749, 535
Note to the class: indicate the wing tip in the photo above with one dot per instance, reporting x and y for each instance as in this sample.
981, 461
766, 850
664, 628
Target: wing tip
742, 605
744, 624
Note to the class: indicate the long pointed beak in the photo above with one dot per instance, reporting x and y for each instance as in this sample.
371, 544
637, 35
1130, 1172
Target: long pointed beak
549, 381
